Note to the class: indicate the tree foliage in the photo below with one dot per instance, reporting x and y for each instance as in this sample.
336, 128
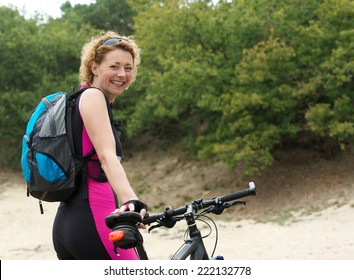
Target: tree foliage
36, 60
240, 79
104, 15
230, 80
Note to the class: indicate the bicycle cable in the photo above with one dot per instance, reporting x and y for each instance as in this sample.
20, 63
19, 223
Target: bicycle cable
203, 214
198, 218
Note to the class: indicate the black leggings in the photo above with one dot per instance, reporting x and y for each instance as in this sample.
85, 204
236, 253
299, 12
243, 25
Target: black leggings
76, 222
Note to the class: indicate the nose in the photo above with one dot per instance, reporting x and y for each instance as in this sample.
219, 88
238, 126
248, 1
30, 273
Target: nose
121, 72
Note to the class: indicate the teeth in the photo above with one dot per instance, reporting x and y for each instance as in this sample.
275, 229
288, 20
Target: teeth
117, 83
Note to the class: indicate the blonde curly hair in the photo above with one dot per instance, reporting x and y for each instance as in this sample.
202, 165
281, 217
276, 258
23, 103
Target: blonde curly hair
94, 51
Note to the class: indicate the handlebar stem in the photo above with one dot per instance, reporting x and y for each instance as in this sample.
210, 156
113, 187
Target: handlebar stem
189, 217
190, 209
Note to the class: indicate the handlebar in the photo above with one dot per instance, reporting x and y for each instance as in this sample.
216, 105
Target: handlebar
201, 204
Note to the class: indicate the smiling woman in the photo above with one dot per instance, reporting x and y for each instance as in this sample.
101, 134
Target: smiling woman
109, 64
29, 8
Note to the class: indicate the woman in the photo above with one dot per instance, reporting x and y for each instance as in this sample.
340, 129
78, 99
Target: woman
109, 64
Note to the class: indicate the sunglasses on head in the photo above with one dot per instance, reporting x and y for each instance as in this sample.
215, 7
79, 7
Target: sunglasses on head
113, 41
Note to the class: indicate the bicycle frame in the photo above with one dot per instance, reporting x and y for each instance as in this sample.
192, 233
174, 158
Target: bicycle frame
194, 247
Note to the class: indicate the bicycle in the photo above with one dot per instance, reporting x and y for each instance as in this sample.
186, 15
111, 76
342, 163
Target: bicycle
126, 234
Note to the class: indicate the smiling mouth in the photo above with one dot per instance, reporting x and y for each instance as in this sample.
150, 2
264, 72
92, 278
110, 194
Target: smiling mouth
119, 84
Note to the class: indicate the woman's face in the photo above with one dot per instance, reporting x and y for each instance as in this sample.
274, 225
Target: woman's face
114, 74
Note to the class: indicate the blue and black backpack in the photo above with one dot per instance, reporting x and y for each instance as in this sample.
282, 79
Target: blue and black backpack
49, 163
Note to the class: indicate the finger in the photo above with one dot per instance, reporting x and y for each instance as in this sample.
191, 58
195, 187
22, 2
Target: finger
131, 207
143, 213
142, 226
120, 210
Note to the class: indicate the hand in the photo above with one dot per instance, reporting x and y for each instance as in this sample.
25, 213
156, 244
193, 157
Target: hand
134, 205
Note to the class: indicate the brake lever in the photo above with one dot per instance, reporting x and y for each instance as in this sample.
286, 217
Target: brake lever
169, 223
219, 208
239, 202
153, 227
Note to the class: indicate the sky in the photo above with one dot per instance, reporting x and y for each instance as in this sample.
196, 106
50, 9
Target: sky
28, 8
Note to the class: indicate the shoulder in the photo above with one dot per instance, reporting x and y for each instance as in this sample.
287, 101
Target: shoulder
92, 99
93, 92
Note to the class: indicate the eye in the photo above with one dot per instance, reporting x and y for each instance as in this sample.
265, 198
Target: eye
128, 68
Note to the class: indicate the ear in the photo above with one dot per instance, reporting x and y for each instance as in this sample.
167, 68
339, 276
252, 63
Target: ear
94, 67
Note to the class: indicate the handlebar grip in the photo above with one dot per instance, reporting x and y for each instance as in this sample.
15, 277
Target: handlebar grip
150, 219
241, 194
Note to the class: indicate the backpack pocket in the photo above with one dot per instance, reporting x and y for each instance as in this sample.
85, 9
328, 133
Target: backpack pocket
53, 171
49, 169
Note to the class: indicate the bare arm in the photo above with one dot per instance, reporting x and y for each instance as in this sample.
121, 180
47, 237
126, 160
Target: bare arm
95, 116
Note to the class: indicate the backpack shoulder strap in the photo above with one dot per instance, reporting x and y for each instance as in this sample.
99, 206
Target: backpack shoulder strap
115, 123
80, 161
71, 103
70, 106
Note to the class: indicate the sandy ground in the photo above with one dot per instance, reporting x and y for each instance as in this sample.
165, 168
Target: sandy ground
321, 235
